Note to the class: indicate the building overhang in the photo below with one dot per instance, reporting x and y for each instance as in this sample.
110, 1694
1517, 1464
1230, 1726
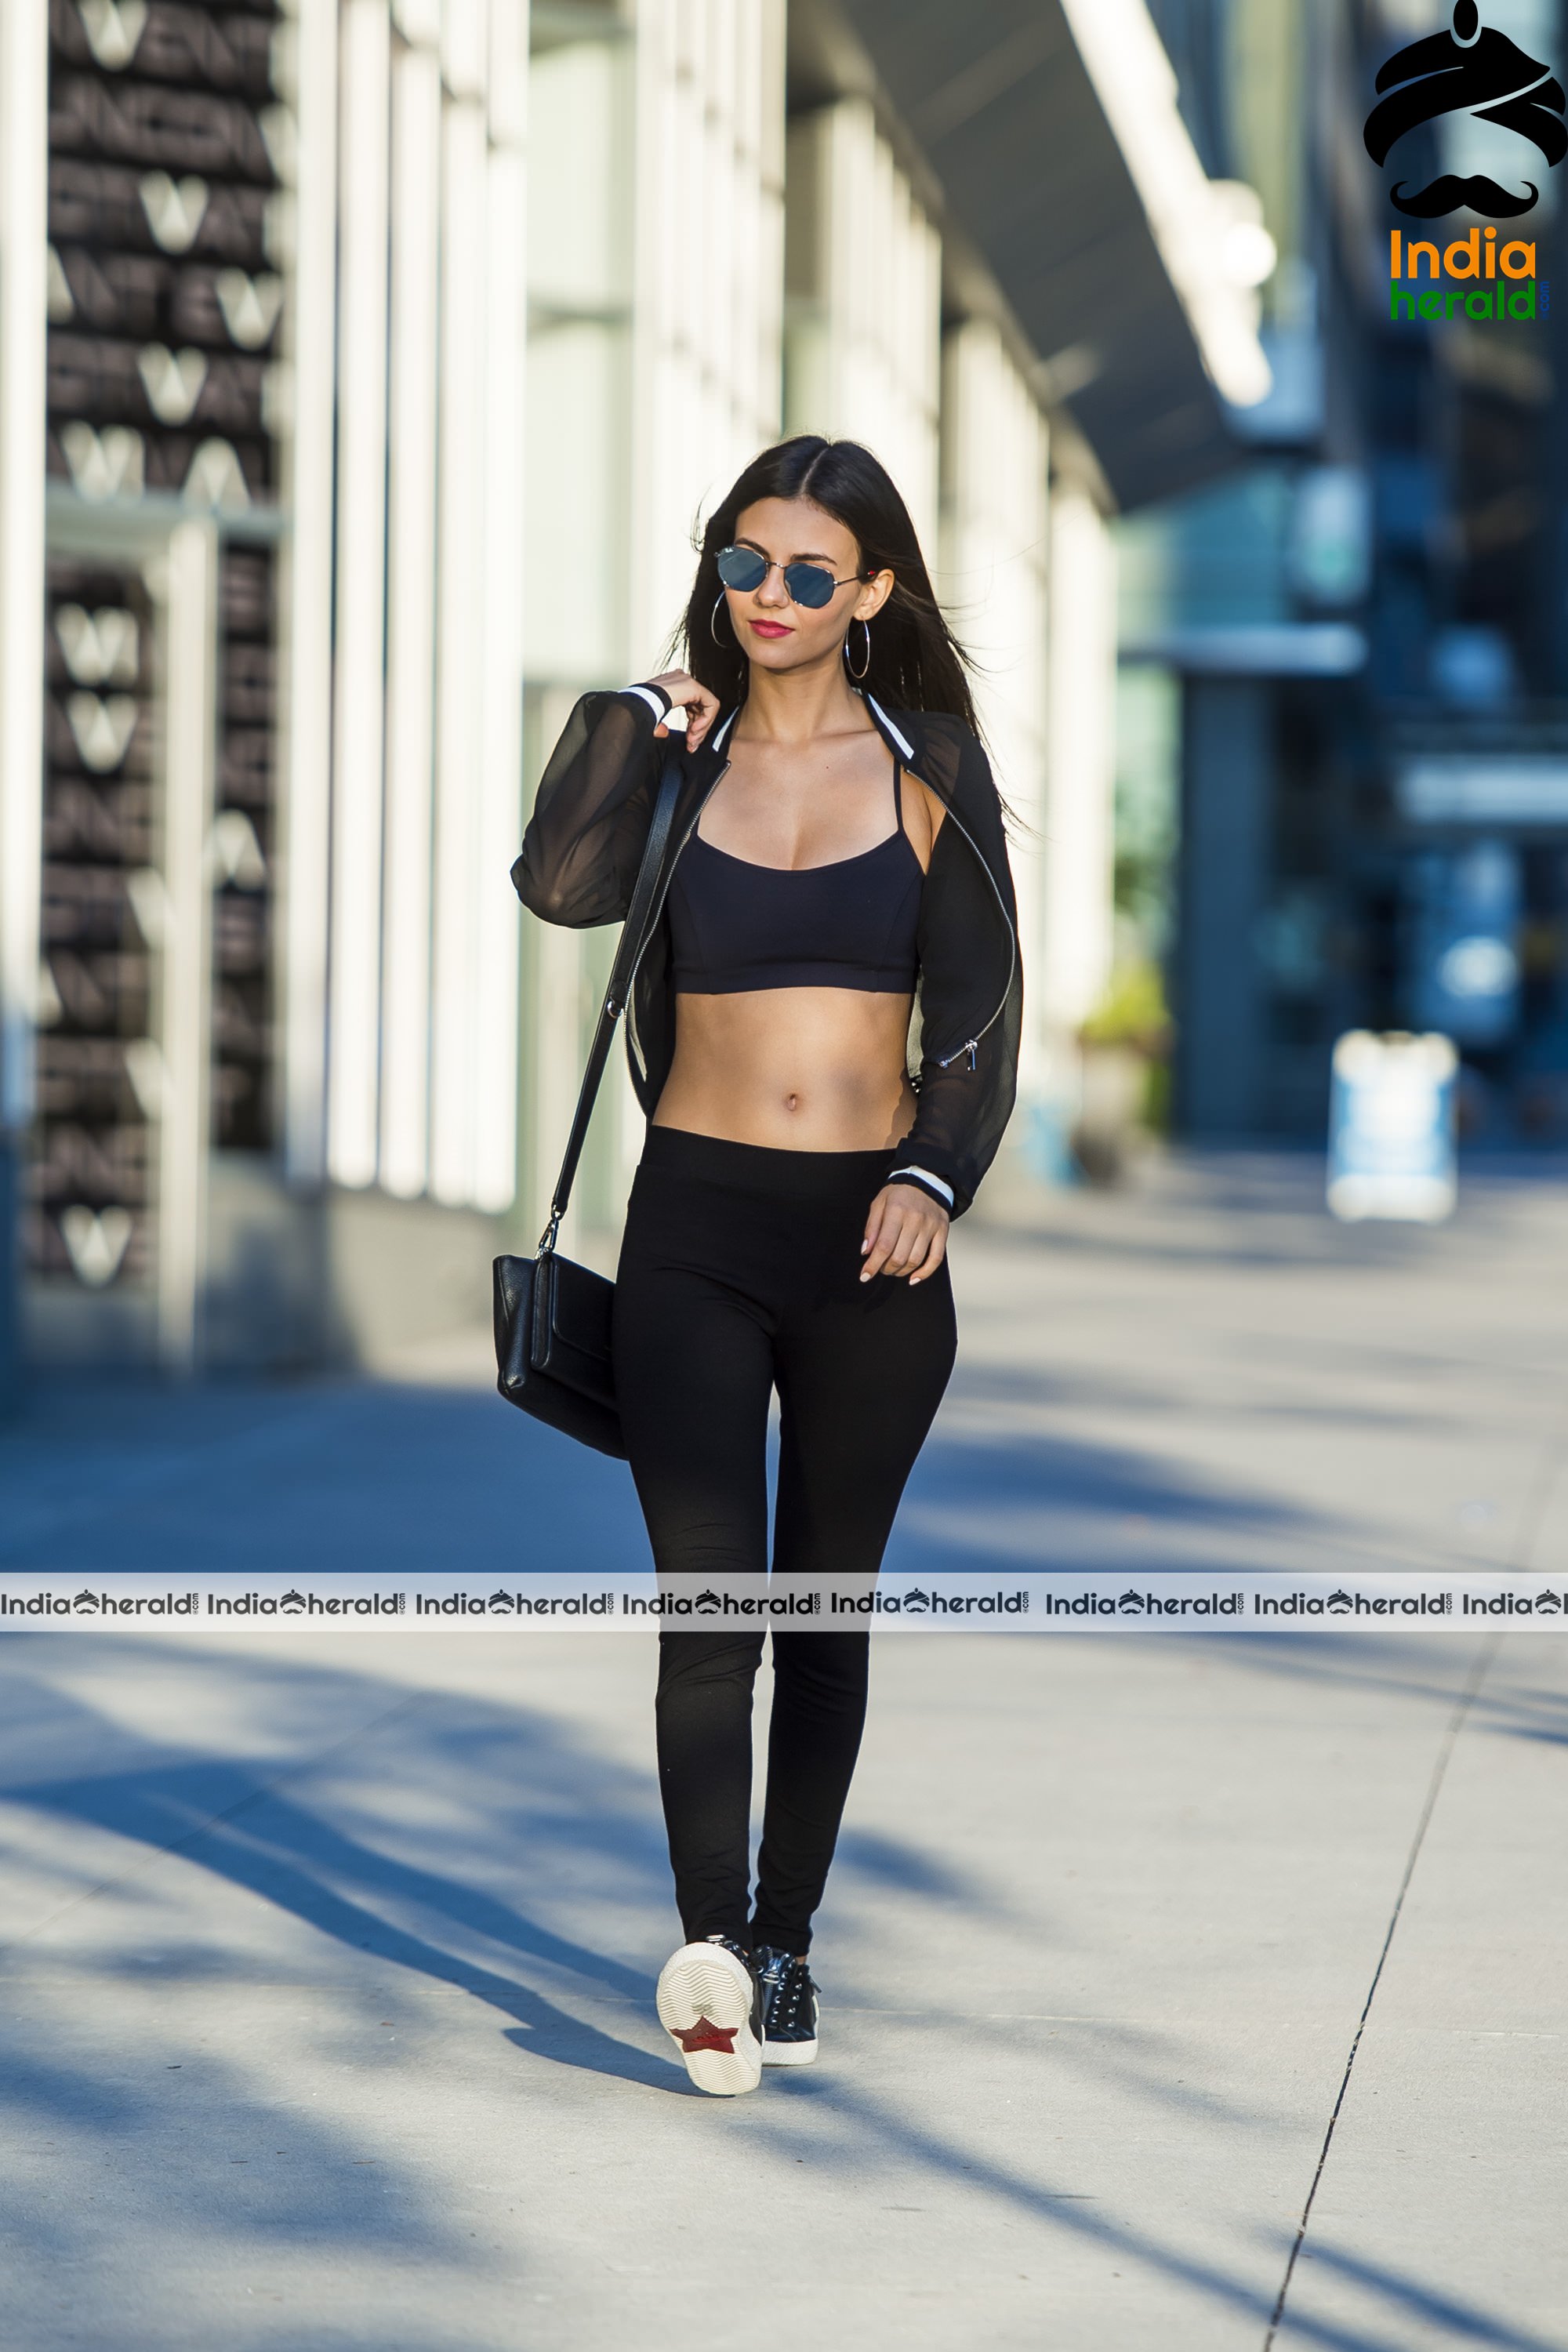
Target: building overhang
1052, 131
1254, 649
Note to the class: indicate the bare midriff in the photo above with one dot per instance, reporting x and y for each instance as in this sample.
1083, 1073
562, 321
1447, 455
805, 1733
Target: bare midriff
792, 1069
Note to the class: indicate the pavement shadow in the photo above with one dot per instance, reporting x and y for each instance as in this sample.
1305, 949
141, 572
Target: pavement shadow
844, 2128
1443, 2318
522, 1799
324, 1476
1242, 1208
239, 1821
505, 1793
1066, 1474
224, 1820
57, 2115
1506, 1702
991, 1389
978, 1501
866, 2125
997, 1481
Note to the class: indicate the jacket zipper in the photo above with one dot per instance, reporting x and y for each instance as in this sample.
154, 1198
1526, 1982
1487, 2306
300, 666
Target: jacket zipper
971, 1044
628, 1002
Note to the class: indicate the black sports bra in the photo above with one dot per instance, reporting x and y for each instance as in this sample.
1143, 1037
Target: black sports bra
734, 926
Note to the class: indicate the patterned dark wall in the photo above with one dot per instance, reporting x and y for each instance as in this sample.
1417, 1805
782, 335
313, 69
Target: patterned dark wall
166, 298
98, 1078
164, 294
243, 849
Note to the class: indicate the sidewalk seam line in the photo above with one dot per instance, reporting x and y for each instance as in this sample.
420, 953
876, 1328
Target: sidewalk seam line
1533, 1520
225, 1812
1450, 1737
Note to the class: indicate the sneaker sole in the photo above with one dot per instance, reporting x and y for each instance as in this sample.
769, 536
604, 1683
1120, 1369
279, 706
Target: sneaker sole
789, 2054
703, 1981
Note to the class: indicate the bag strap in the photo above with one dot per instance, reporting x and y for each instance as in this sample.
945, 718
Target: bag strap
634, 937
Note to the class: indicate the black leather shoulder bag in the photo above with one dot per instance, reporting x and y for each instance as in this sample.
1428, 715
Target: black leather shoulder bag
552, 1317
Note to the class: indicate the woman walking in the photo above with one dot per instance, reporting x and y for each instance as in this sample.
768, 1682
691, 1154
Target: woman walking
836, 864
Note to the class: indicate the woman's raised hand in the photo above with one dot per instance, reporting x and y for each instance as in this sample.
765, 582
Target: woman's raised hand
701, 707
906, 1233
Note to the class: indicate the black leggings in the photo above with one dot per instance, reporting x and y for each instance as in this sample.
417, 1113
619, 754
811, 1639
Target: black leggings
740, 1273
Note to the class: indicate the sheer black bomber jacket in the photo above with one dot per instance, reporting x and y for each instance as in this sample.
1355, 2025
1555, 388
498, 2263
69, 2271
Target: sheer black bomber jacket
584, 845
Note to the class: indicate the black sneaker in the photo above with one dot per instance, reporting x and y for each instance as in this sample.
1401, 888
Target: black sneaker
790, 2008
711, 2005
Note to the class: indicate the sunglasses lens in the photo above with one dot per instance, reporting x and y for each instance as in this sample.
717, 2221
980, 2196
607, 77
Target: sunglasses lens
809, 584
742, 568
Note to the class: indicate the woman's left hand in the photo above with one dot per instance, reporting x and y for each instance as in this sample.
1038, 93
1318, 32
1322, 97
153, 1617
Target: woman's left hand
906, 1233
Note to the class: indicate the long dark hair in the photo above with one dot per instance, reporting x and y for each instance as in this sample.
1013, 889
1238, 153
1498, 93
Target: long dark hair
916, 662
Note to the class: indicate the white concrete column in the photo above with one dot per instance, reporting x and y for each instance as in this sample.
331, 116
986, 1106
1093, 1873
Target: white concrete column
707, 285
864, 278
1080, 845
353, 1077
579, 397
992, 579
187, 578
500, 813
414, 394
479, 758
425, 543
578, 531
305, 589
707, 294
454, 1070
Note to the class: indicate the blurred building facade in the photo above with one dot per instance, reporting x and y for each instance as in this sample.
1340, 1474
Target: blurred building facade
1343, 749
386, 355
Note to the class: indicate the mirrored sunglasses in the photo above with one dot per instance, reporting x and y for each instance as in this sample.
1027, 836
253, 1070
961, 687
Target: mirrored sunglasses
811, 585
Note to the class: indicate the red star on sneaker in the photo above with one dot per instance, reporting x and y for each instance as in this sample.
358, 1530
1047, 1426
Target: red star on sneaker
706, 2035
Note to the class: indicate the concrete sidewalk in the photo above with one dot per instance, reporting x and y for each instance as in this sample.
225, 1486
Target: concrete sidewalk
285, 1910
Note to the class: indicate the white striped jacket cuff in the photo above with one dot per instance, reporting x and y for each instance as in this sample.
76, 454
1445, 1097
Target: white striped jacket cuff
926, 1181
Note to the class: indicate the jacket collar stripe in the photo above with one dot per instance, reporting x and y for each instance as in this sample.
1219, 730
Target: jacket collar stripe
894, 734
888, 727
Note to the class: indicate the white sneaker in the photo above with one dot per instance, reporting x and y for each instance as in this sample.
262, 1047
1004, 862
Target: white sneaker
711, 2005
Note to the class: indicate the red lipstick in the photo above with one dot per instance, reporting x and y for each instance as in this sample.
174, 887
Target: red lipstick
770, 628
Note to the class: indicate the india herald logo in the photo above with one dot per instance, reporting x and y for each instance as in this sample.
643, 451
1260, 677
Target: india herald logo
1470, 70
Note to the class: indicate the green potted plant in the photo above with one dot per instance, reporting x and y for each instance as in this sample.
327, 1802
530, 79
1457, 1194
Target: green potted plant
1125, 1056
